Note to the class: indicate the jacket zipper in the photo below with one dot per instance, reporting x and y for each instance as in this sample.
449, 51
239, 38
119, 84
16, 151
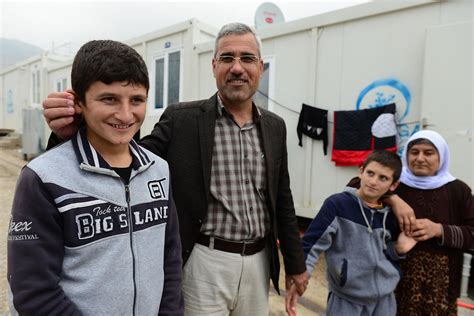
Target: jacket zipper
127, 198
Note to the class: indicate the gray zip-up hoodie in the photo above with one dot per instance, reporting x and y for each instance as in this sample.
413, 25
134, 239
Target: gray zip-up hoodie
358, 246
82, 242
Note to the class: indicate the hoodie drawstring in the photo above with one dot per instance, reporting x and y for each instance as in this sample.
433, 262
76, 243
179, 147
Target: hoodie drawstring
369, 226
384, 231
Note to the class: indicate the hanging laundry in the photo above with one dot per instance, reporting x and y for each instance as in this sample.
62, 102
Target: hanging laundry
357, 133
313, 122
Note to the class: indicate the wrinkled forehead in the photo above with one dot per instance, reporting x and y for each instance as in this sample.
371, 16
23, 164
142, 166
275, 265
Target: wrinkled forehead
422, 143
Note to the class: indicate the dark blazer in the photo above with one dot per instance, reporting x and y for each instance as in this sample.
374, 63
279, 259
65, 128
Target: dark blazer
184, 137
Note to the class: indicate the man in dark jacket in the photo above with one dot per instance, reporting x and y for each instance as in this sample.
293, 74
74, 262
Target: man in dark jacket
228, 164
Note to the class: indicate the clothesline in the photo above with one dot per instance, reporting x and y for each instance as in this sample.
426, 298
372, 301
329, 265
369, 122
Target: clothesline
331, 122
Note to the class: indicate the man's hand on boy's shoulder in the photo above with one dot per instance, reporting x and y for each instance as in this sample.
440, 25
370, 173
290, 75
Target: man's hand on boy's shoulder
60, 114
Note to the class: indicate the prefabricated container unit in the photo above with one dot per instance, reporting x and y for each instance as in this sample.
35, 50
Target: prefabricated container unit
417, 54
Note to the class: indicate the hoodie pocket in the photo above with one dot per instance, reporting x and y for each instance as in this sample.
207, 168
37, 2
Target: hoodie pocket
343, 273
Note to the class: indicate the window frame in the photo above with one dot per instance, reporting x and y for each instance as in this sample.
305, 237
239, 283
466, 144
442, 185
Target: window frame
165, 56
35, 85
62, 81
270, 60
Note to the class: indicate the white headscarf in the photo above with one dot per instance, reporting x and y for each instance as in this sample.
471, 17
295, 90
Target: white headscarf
428, 182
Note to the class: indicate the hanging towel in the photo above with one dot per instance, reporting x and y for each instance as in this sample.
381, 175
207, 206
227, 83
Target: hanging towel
357, 133
313, 122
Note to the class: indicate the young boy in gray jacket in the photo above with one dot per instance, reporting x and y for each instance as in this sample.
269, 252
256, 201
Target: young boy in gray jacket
94, 229
361, 241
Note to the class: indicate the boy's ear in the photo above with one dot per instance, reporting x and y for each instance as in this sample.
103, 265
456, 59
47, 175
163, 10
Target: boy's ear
361, 171
394, 186
78, 107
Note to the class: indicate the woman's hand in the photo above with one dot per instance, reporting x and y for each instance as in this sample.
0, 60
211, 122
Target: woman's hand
425, 229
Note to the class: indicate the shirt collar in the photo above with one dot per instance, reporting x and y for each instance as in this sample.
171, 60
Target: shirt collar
256, 113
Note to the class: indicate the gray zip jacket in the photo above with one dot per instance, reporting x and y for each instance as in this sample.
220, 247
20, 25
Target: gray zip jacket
358, 246
82, 242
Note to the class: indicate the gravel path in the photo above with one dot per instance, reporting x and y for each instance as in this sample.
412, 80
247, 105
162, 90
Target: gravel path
10, 166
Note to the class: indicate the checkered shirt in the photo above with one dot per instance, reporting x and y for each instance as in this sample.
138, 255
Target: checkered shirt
237, 210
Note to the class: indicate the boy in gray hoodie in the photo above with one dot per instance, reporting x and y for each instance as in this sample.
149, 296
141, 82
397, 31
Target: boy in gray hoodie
361, 240
94, 228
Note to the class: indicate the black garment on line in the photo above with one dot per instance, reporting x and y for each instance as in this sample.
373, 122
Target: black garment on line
313, 122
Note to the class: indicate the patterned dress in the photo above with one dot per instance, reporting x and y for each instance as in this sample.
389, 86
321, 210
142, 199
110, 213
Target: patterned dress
431, 272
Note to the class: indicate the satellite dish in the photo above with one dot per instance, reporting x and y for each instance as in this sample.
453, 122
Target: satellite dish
268, 14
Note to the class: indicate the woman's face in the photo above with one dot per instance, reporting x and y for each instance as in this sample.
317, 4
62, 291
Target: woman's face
423, 160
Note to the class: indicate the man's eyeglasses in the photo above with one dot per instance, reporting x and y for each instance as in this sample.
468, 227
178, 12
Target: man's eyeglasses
244, 59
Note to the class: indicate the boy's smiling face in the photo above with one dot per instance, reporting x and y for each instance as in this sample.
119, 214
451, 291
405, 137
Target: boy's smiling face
375, 181
113, 114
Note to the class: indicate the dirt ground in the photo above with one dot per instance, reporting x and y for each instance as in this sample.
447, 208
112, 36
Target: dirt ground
314, 299
10, 166
312, 303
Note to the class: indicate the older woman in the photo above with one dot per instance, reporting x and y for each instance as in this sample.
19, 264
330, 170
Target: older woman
444, 228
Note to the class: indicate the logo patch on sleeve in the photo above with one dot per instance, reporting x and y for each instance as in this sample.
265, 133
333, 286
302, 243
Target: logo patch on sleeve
21, 230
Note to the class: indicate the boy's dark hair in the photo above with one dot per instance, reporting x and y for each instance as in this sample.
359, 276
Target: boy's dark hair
387, 159
106, 61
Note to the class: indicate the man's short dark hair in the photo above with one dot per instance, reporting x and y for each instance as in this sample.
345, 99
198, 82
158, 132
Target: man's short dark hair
387, 159
106, 61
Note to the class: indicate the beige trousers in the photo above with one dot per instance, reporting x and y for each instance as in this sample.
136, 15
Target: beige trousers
219, 283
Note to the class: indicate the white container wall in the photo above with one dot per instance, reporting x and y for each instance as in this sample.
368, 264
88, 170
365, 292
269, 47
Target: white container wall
415, 53
418, 56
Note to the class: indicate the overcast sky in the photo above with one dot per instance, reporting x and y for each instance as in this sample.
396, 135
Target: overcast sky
57, 22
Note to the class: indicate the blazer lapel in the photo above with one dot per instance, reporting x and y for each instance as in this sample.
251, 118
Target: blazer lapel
265, 129
206, 126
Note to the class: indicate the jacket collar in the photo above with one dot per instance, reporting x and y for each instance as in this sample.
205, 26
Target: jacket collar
87, 155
